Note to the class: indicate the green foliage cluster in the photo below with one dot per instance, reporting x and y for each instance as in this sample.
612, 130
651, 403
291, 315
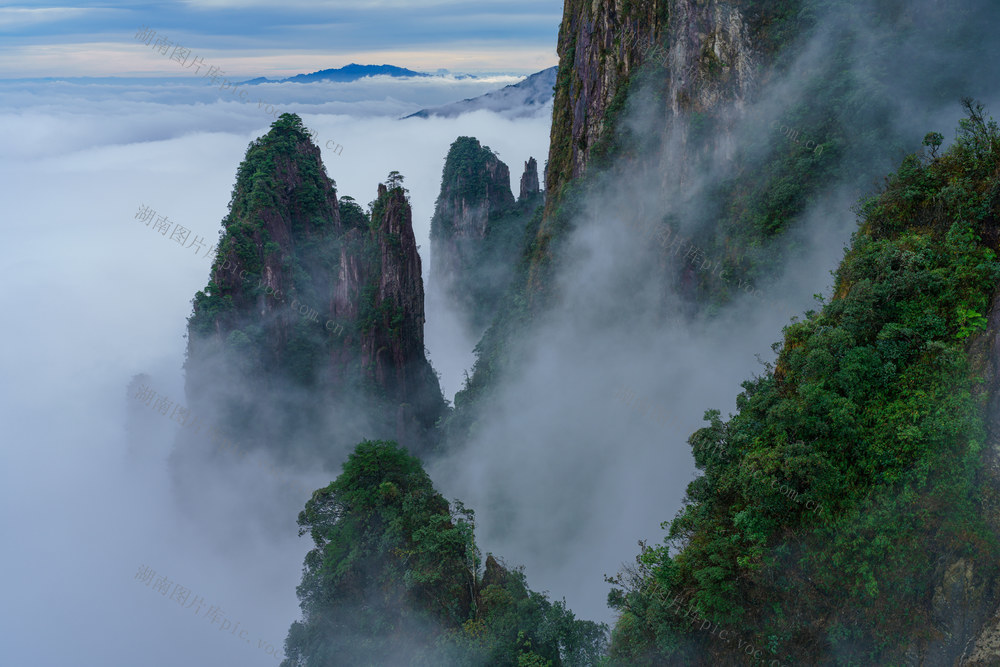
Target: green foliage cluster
777, 23
873, 410
352, 216
278, 155
396, 578
395, 180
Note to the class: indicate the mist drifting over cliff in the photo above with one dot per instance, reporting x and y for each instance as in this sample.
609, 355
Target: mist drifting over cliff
583, 449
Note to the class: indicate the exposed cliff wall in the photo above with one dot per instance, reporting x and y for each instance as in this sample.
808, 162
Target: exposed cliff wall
684, 57
529, 180
693, 58
262, 316
741, 116
702, 54
600, 45
475, 184
392, 329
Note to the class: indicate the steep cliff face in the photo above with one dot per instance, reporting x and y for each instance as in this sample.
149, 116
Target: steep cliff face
600, 45
477, 229
737, 116
701, 51
310, 330
392, 331
685, 56
529, 180
695, 57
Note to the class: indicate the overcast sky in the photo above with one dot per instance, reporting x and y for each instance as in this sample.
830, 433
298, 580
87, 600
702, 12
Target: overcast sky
249, 38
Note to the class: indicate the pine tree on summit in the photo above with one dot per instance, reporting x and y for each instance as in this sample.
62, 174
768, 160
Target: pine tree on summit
395, 180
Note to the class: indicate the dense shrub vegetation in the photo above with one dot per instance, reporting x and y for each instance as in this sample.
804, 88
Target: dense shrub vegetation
873, 412
395, 578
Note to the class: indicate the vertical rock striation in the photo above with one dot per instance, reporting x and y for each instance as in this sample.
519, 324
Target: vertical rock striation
392, 333
309, 335
529, 180
700, 53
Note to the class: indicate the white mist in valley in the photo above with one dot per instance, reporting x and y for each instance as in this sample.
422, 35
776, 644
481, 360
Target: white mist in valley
89, 505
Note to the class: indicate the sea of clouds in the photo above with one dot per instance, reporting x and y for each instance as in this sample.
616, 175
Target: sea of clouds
95, 297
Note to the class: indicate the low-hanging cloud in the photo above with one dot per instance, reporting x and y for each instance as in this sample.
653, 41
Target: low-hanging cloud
87, 491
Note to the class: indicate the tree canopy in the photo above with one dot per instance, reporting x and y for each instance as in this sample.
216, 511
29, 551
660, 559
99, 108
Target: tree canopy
395, 578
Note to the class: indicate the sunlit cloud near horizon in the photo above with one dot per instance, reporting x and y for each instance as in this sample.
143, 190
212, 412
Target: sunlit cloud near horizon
250, 39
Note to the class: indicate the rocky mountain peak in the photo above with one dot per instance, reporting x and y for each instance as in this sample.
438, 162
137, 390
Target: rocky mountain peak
529, 179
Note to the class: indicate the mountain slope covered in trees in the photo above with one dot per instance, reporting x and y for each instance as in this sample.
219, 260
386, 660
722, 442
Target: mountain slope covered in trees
848, 511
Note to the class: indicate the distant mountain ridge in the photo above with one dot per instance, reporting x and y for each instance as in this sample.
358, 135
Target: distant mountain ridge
351, 72
525, 98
